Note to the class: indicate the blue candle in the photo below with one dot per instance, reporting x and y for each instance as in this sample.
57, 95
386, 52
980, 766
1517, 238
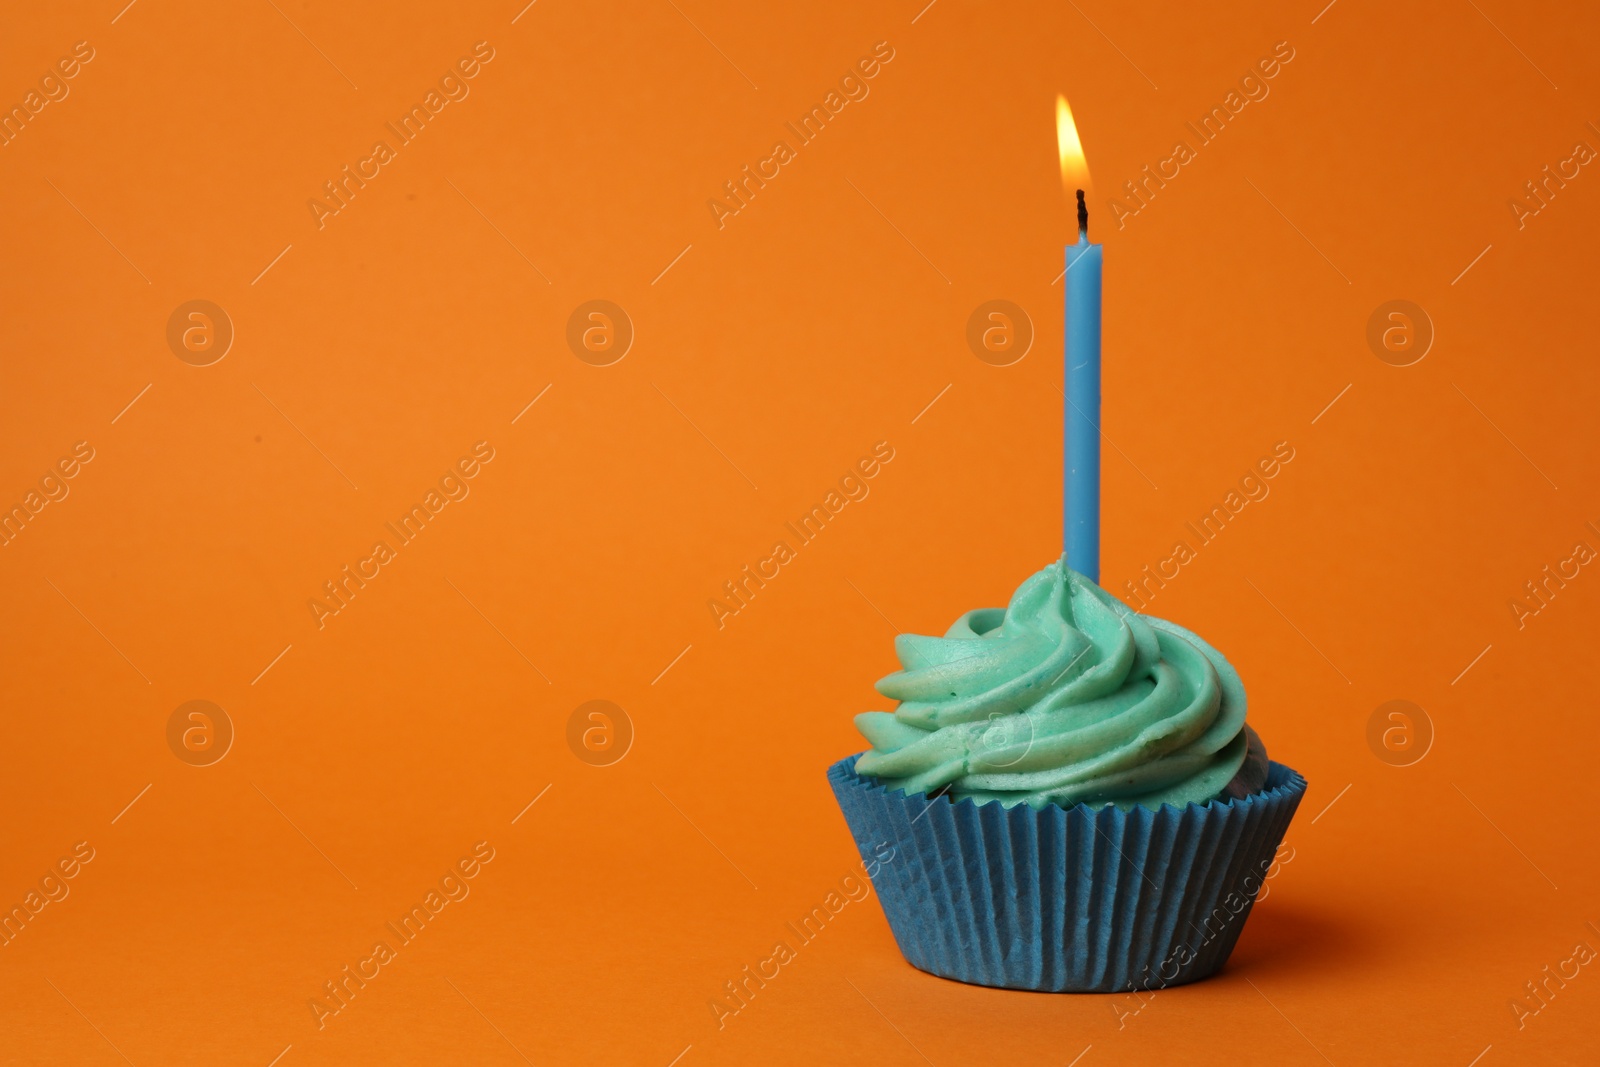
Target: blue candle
1082, 413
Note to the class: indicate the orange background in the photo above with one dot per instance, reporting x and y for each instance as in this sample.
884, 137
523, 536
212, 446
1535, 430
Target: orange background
821, 319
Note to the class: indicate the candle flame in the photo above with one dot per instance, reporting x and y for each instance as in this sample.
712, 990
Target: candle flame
1074, 167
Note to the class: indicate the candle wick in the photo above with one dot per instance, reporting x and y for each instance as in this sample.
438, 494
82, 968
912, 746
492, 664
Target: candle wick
1083, 215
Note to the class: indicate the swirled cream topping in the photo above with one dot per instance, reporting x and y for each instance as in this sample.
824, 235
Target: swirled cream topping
1067, 696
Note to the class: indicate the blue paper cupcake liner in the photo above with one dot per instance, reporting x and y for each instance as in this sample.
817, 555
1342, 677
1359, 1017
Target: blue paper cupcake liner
1089, 900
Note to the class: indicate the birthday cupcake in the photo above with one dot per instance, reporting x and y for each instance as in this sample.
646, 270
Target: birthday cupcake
1073, 797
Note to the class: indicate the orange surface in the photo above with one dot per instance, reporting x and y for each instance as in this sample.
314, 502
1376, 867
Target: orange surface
373, 753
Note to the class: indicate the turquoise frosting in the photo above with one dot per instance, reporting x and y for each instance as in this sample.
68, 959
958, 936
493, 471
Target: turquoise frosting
1066, 696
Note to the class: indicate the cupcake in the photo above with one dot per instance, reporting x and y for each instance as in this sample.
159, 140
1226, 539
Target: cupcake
1073, 796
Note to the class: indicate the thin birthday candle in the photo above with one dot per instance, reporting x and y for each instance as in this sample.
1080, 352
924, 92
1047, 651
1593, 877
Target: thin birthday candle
1081, 423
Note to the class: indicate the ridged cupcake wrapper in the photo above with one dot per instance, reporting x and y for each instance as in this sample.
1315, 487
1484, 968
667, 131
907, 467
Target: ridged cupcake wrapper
1092, 900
